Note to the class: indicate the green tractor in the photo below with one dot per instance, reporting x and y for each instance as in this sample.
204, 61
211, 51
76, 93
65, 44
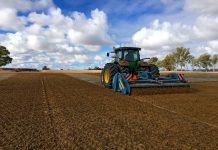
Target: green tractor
126, 61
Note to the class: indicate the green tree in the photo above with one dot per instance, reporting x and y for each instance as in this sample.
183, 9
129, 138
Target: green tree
45, 68
159, 63
182, 56
153, 60
4, 56
194, 62
205, 61
214, 60
169, 62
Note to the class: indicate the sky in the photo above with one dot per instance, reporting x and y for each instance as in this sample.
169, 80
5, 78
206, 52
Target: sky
76, 34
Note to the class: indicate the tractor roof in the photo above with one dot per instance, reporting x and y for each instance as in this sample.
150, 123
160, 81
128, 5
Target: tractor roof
127, 48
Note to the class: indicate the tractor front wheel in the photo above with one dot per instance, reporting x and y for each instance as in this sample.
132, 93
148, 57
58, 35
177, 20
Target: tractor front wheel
108, 73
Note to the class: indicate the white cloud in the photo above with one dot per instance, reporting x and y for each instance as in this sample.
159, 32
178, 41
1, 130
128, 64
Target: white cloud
211, 47
98, 58
9, 9
15, 43
93, 30
162, 38
213, 44
55, 39
202, 6
90, 32
206, 27
26, 5
161, 35
202, 49
10, 20
80, 30
70, 49
54, 19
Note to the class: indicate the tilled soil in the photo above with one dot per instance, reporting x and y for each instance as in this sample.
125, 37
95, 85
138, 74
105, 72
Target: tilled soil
199, 102
54, 111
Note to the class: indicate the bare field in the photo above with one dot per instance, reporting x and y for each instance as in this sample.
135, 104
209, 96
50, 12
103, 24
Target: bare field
72, 71
200, 102
55, 111
6, 75
5, 71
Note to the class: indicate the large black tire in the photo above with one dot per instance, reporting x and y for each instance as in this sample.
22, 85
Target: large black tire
154, 70
112, 69
124, 70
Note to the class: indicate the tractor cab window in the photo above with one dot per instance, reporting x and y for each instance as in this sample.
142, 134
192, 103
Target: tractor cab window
119, 54
131, 55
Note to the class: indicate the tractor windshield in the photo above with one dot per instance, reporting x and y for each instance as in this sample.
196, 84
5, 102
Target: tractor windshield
131, 55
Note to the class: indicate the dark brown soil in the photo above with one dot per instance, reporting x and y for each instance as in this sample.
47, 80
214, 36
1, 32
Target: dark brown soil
54, 111
199, 102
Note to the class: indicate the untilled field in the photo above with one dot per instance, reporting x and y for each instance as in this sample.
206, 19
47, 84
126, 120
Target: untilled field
55, 111
5, 75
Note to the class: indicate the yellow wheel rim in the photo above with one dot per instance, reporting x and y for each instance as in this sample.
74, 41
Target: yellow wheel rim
107, 76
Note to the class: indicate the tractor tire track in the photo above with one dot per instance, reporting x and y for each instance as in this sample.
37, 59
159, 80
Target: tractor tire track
49, 111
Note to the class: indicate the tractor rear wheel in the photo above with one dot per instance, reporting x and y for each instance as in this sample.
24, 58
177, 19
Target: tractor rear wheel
107, 74
144, 68
154, 70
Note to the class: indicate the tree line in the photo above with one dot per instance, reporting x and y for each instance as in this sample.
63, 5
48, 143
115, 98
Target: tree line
182, 57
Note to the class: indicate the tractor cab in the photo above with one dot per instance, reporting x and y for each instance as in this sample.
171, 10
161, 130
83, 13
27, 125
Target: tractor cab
127, 53
128, 58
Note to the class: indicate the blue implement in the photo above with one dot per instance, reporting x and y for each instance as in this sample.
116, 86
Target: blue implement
146, 80
115, 82
120, 84
126, 85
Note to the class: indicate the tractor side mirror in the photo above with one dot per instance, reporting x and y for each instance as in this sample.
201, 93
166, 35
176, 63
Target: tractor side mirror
108, 54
